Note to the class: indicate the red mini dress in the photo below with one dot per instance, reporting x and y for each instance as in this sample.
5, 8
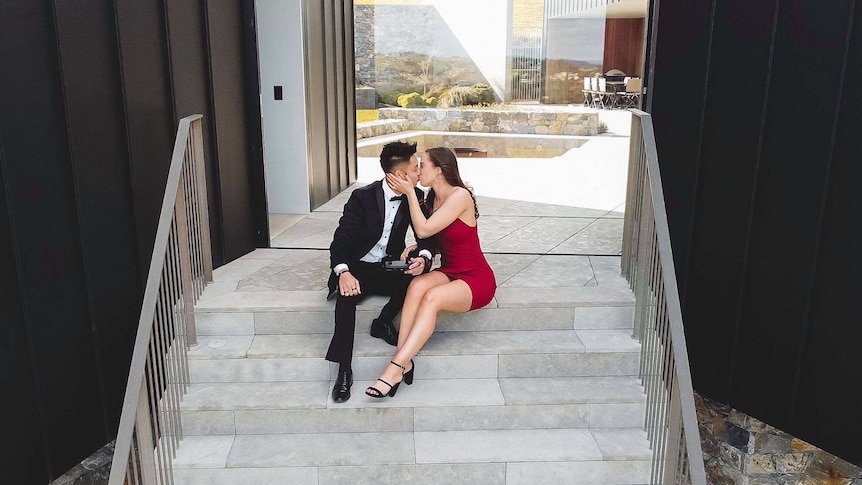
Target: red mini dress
462, 259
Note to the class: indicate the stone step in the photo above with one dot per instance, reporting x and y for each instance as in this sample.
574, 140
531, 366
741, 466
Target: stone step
423, 393
526, 473
442, 343
432, 367
488, 319
387, 449
407, 419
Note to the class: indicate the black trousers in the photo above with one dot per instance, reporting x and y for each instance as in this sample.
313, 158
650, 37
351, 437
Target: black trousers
373, 280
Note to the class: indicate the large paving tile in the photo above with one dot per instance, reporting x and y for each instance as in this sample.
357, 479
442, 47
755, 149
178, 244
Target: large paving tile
270, 254
429, 392
334, 420
507, 265
258, 370
554, 271
310, 275
221, 347
494, 228
249, 476
569, 365
504, 342
444, 474
608, 272
224, 323
280, 323
315, 224
268, 395
208, 423
325, 449
203, 452
608, 340
562, 297
571, 390
239, 269
623, 443
505, 446
217, 288
494, 319
467, 418
552, 210
249, 301
604, 236
432, 366
579, 473
539, 237
617, 415
283, 346
604, 317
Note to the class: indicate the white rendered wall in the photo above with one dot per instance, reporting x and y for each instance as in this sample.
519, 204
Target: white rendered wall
279, 38
482, 27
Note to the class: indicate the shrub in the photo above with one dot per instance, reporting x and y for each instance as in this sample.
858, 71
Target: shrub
366, 115
477, 94
390, 98
413, 100
602, 127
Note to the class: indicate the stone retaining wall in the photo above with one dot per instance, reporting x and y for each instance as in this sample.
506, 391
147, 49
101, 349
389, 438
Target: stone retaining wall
379, 128
539, 122
740, 450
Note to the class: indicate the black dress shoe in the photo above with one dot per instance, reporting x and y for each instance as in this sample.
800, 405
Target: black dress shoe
384, 330
341, 389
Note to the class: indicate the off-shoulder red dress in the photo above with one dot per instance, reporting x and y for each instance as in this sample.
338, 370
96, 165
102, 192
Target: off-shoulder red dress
462, 259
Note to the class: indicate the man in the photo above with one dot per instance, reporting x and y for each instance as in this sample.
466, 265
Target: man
372, 230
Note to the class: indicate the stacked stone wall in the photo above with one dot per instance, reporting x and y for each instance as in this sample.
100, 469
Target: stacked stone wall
540, 122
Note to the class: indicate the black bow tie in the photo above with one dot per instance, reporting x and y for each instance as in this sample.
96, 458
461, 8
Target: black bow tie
398, 197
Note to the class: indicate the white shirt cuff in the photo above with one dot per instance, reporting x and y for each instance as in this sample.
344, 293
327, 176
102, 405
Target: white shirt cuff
426, 253
339, 268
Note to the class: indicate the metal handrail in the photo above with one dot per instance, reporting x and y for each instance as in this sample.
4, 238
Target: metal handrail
150, 426
647, 264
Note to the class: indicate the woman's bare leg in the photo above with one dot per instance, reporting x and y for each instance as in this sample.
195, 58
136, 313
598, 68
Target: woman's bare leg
415, 293
454, 296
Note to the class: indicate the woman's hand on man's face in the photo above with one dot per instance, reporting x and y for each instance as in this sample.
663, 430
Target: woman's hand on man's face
399, 184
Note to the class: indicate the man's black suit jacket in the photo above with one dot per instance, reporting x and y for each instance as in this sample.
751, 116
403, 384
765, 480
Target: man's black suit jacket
361, 226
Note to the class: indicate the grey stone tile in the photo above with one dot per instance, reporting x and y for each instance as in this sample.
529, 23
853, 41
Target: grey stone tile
507, 319
626, 415
282, 346
554, 271
429, 392
571, 390
508, 297
446, 474
294, 323
224, 323
432, 366
214, 289
337, 449
570, 365
507, 265
310, 275
239, 269
267, 253
552, 210
608, 340
579, 473
604, 236
493, 206
608, 272
248, 476
604, 317
294, 257
258, 370
507, 342
269, 395
208, 423
220, 347
539, 237
338, 420
320, 240
316, 223
261, 301
493, 228
505, 446
203, 452
623, 443
467, 418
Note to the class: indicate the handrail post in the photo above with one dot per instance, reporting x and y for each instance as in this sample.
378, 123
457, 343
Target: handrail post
203, 204
182, 218
144, 430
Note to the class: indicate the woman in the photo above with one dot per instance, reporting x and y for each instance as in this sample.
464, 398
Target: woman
464, 281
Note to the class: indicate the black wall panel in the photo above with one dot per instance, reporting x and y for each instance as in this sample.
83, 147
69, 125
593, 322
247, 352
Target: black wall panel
785, 225
830, 389
91, 95
739, 56
762, 206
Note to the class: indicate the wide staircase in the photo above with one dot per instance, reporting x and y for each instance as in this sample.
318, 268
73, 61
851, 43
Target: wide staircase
539, 387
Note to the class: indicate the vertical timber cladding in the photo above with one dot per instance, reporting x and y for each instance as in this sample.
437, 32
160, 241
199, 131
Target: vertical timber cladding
330, 112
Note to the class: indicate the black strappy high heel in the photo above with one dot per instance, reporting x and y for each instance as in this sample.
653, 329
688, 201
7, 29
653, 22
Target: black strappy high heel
408, 376
378, 394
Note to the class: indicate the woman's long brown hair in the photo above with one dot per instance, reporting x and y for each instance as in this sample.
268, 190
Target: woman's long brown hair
445, 159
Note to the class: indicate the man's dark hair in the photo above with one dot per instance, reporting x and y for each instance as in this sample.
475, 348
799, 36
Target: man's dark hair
396, 153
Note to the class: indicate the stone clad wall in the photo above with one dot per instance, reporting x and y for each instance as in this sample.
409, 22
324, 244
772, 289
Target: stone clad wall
542, 122
379, 128
363, 20
741, 450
